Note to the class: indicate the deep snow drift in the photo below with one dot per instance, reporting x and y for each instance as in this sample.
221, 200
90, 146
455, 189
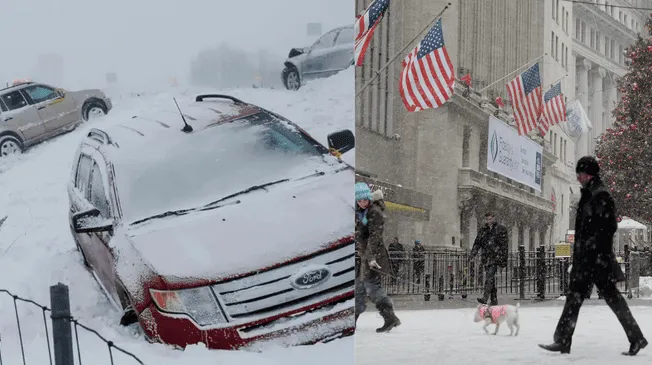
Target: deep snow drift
37, 250
449, 337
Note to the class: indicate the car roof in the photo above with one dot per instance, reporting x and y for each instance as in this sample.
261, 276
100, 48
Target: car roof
165, 123
15, 87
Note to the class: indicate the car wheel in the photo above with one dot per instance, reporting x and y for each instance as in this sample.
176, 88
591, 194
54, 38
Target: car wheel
93, 110
10, 146
291, 79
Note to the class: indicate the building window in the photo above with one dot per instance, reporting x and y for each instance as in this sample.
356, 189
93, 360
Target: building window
563, 19
557, 10
625, 20
566, 22
557, 48
577, 28
612, 49
592, 39
554, 12
583, 32
565, 150
606, 46
567, 58
563, 53
621, 57
552, 44
554, 146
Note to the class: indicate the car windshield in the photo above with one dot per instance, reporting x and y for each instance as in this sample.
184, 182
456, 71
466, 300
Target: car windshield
213, 163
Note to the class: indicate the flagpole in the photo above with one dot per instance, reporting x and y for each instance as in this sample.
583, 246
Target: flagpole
509, 74
401, 51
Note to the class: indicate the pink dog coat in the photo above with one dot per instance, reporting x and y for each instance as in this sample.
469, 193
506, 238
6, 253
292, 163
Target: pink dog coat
493, 312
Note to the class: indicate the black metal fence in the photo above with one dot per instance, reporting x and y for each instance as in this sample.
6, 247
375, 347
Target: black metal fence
534, 274
61, 337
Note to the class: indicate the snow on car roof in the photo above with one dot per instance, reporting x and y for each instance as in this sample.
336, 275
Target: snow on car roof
164, 123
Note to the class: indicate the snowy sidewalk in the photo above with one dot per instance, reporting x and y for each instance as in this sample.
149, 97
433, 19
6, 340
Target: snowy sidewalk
449, 336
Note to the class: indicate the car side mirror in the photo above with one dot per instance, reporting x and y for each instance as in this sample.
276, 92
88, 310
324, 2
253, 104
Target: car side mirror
61, 92
89, 221
341, 142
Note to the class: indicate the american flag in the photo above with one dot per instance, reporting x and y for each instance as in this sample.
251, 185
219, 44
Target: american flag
525, 94
554, 109
365, 26
428, 77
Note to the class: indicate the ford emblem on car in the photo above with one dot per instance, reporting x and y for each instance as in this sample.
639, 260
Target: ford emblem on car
310, 277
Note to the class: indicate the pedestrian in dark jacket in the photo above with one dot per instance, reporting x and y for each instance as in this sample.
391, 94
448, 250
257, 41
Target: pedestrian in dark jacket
493, 242
594, 261
419, 260
374, 258
396, 257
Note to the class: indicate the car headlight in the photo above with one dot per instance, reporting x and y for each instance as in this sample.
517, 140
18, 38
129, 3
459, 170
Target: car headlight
198, 303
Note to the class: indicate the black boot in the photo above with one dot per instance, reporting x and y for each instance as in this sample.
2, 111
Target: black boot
556, 347
482, 301
635, 347
391, 320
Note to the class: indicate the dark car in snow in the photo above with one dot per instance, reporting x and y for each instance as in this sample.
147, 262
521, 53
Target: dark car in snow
330, 54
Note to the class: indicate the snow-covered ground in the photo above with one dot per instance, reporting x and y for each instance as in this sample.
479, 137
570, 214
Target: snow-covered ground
449, 337
37, 250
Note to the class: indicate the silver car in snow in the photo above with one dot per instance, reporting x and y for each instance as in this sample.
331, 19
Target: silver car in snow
31, 113
330, 54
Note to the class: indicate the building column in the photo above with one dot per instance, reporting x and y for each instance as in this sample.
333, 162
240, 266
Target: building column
537, 239
526, 237
597, 74
612, 99
583, 67
515, 236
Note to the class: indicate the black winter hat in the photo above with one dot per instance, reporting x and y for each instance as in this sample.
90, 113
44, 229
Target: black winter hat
588, 165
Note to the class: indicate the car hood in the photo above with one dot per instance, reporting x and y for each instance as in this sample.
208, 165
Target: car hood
268, 227
297, 55
87, 93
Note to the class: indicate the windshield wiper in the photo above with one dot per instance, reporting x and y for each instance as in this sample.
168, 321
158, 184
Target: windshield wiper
245, 191
209, 206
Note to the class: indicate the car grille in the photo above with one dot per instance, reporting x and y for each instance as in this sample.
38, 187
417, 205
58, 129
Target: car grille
271, 292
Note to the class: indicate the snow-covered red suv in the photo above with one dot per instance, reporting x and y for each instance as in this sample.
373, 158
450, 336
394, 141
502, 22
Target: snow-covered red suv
233, 232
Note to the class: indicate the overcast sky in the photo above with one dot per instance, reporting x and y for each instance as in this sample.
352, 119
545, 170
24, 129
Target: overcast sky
150, 40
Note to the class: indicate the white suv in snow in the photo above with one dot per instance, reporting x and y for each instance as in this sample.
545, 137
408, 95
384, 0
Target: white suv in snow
235, 231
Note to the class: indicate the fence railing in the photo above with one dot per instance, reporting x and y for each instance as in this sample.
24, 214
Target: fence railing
534, 274
59, 341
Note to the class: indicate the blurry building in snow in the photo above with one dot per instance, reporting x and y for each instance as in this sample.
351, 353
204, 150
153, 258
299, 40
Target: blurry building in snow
443, 152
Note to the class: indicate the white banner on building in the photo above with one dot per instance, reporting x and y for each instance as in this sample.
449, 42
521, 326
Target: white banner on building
577, 122
513, 156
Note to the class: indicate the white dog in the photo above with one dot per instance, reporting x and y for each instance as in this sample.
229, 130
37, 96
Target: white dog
497, 314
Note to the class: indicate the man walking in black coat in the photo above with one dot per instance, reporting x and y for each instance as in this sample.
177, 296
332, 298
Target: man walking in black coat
594, 261
492, 240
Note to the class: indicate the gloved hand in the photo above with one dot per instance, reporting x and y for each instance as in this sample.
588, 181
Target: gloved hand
374, 265
569, 268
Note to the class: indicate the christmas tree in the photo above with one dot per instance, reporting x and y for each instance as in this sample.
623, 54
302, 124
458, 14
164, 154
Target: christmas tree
623, 150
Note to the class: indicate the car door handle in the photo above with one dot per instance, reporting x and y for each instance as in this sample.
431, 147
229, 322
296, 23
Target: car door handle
41, 107
8, 119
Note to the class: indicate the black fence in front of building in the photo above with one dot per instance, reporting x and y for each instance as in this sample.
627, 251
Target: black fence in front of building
529, 274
